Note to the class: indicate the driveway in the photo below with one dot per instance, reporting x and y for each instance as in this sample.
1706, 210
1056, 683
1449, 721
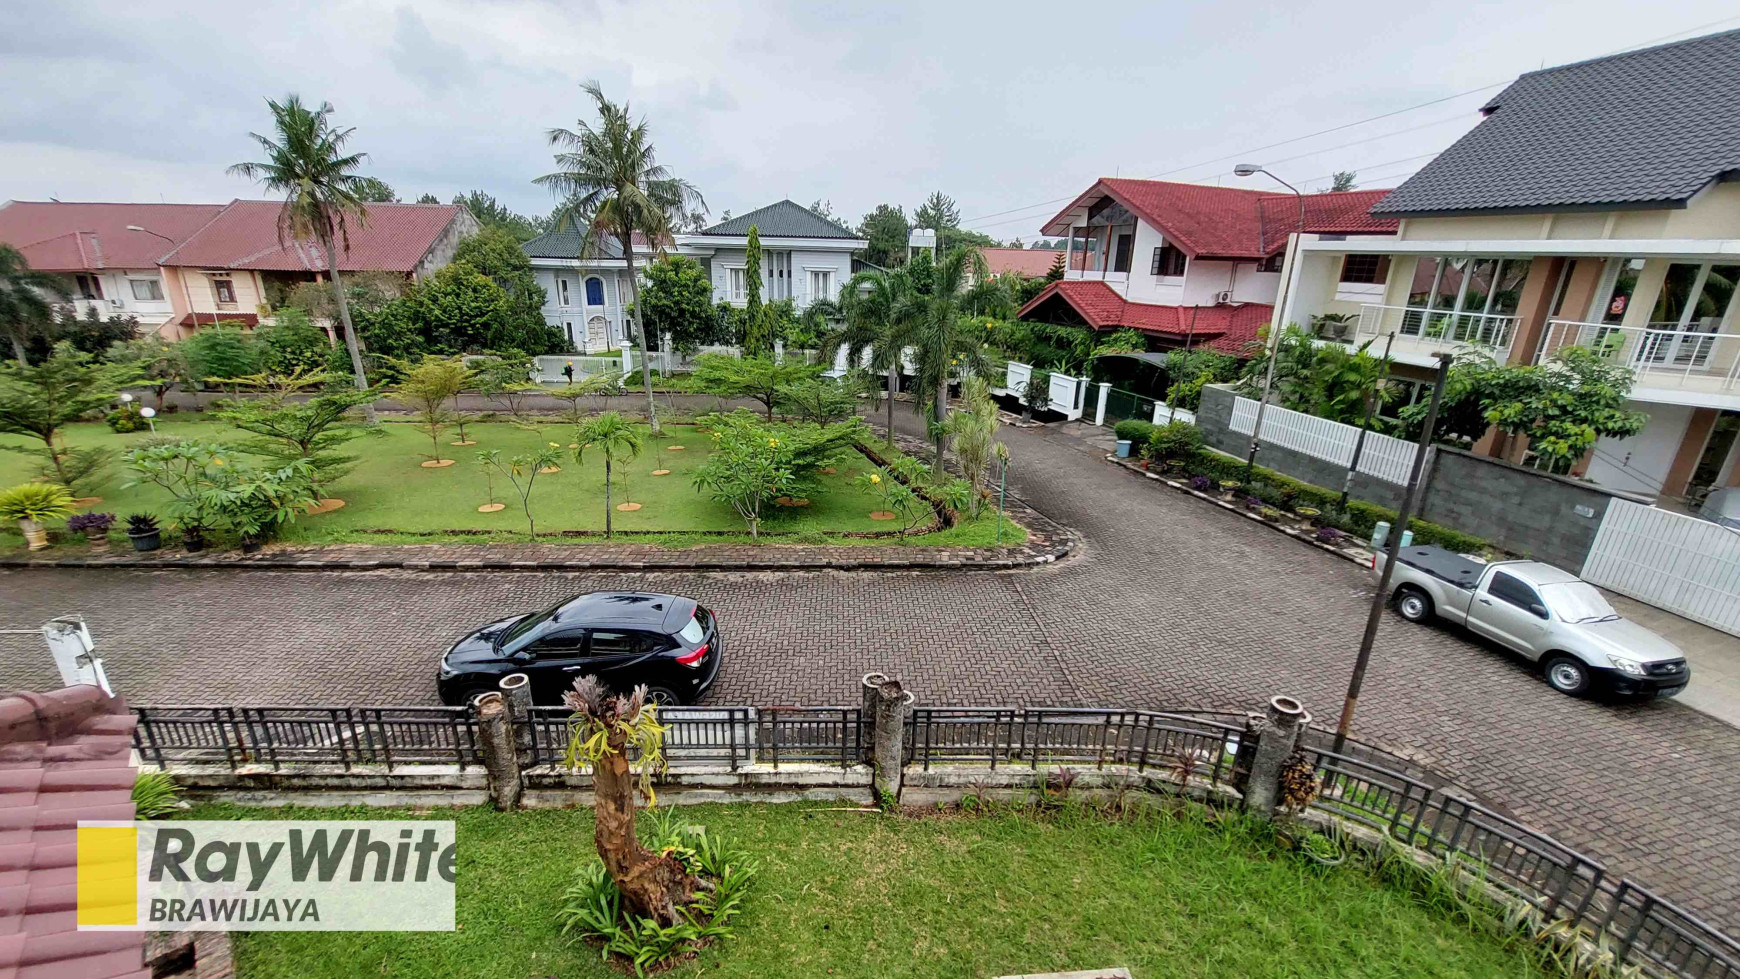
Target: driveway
1170, 603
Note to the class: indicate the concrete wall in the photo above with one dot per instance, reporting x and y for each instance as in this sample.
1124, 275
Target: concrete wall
1524, 511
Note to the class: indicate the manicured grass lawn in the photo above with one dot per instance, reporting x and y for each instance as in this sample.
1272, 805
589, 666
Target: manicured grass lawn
389, 490
868, 895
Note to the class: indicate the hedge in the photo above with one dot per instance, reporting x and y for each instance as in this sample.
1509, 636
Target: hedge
1360, 518
1134, 429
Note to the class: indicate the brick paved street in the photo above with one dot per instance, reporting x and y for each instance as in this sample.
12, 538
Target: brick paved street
1169, 602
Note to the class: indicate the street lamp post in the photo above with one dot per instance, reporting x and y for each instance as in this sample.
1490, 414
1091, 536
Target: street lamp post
1274, 344
185, 291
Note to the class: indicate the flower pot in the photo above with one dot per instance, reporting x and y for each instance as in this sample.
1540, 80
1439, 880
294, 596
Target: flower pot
99, 543
148, 541
35, 534
252, 545
193, 542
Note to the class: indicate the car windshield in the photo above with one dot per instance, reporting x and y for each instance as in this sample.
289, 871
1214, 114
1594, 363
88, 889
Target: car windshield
512, 637
1577, 601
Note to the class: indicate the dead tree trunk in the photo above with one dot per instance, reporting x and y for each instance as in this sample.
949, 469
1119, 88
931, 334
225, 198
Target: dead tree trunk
652, 886
495, 736
892, 702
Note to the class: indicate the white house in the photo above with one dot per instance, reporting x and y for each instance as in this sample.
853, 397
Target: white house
1560, 221
584, 298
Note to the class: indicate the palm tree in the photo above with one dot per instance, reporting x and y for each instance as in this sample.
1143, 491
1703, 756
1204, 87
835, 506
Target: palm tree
617, 438
611, 185
322, 194
23, 308
865, 317
938, 326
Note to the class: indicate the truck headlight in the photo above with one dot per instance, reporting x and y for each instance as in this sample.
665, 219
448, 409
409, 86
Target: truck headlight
1630, 666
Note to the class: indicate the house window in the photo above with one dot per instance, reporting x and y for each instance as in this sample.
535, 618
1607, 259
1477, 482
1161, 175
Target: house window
821, 284
562, 291
1167, 261
146, 290
739, 285
225, 290
1270, 264
1366, 269
594, 291
90, 287
1121, 255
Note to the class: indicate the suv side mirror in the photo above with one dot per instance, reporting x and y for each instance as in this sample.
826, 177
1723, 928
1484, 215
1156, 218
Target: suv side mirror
1539, 610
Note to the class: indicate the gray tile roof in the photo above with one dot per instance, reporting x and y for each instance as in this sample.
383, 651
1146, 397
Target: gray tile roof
786, 219
1647, 128
566, 244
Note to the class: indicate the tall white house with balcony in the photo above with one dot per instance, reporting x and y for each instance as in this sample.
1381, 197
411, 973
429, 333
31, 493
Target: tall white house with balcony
1597, 204
1187, 263
585, 298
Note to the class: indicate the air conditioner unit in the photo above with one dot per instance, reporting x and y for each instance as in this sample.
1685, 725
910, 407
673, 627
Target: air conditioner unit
1222, 298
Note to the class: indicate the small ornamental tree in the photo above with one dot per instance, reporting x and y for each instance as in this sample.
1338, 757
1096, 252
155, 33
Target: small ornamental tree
973, 428
41, 400
677, 301
747, 469
1564, 405
820, 400
427, 387
522, 471
618, 440
757, 340
759, 378
159, 364
897, 497
1036, 395
312, 430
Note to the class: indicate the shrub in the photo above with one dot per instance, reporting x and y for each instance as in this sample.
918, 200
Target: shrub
1328, 535
125, 419
1135, 430
1174, 440
155, 794
1200, 484
141, 523
35, 501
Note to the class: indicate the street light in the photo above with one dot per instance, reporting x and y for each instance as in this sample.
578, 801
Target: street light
185, 291
1274, 344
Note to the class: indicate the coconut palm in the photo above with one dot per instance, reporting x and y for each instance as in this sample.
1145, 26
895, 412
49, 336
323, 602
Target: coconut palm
322, 196
611, 434
612, 187
861, 320
939, 327
23, 308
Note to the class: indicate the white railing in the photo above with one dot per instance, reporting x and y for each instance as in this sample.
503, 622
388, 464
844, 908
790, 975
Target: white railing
1692, 358
1383, 456
1440, 328
551, 368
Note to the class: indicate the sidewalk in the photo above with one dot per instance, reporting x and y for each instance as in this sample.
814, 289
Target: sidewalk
1714, 655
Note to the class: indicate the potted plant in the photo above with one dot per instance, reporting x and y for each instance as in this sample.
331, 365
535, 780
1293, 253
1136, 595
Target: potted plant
1328, 535
193, 538
94, 527
1307, 515
1200, 483
143, 531
1228, 489
32, 503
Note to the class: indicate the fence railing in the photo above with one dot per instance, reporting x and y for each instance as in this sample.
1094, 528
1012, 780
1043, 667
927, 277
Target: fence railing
1383, 456
1695, 356
1363, 784
1439, 328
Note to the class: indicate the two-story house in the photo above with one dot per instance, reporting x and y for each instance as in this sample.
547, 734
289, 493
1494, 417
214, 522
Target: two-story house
1187, 263
1596, 204
803, 256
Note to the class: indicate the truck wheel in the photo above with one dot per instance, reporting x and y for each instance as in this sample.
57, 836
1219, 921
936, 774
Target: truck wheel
1567, 675
1414, 604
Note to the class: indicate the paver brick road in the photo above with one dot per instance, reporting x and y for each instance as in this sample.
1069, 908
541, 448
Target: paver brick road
1170, 603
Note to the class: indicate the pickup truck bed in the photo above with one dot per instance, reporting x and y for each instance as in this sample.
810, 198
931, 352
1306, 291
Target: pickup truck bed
1447, 566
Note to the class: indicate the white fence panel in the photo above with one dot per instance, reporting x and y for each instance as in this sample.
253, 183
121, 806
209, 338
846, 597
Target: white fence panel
1163, 414
1383, 456
1067, 395
1015, 377
1687, 566
550, 368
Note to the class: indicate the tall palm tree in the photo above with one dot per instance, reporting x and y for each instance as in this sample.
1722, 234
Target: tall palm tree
23, 307
938, 326
612, 186
861, 320
322, 195
611, 434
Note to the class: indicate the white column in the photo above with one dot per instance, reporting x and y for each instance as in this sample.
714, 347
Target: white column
1100, 409
1159, 406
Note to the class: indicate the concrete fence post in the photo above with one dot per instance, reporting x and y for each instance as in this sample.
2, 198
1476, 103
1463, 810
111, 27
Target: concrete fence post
892, 703
495, 737
1277, 735
516, 691
1100, 409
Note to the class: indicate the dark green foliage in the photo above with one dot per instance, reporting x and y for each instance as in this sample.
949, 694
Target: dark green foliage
41, 399
90, 333
760, 378
757, 336
1134, 430
496, 253
292, 343
677, 301
886, 228
492, 214
821, 400
126, 418
312, 429
374, 190
1174, 440
1186, 374
221, 351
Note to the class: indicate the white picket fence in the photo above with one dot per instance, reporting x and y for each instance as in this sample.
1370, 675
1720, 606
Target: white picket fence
1687, 566
1385, 457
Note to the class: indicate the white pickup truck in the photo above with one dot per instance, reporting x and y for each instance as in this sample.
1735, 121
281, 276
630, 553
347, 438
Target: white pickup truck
1550, 616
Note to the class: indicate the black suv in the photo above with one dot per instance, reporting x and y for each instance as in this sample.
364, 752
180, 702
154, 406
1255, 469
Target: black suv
669, 643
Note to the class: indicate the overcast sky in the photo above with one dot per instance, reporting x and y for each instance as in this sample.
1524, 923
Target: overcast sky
1002, 106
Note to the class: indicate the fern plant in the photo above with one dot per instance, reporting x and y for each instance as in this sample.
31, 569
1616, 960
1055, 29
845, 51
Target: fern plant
155, 794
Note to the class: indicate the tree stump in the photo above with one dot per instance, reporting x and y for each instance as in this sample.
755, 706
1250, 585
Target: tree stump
495, 736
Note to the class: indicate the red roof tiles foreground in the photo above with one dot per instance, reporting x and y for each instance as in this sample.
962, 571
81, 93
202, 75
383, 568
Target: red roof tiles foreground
1232, 222
1031, 262
75, 237
392, 238
1226, 328
64, 757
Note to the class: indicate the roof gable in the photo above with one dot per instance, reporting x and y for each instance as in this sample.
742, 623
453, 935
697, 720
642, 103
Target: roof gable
390, 238
785, 219
1228, 328
1646, 128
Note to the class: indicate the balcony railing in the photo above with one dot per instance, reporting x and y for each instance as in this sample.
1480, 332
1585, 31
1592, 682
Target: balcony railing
1438, 328
1690, 358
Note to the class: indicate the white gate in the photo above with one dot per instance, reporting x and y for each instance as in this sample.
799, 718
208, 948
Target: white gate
1387, 458
1687, 566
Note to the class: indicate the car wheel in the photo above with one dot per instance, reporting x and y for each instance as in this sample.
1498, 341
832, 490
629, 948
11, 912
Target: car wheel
1413, 604
663, 697
1567, 675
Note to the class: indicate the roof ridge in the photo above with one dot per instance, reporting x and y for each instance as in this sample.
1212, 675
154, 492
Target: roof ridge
1623, 54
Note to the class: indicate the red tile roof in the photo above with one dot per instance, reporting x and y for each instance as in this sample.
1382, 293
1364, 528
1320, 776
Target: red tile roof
79, 237
1227, 328
393, 238
1031, 262
1231, 222
64, 757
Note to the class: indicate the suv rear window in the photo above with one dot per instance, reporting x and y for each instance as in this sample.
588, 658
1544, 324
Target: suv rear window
692, 632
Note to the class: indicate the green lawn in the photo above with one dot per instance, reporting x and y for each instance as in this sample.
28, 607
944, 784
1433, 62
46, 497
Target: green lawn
390, 491
953, 896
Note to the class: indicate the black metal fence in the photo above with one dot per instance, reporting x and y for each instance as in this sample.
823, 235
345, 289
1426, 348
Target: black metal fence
1364, 785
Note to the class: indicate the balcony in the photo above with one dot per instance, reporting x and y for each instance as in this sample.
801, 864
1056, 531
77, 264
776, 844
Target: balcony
1672, 366
1421, 332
